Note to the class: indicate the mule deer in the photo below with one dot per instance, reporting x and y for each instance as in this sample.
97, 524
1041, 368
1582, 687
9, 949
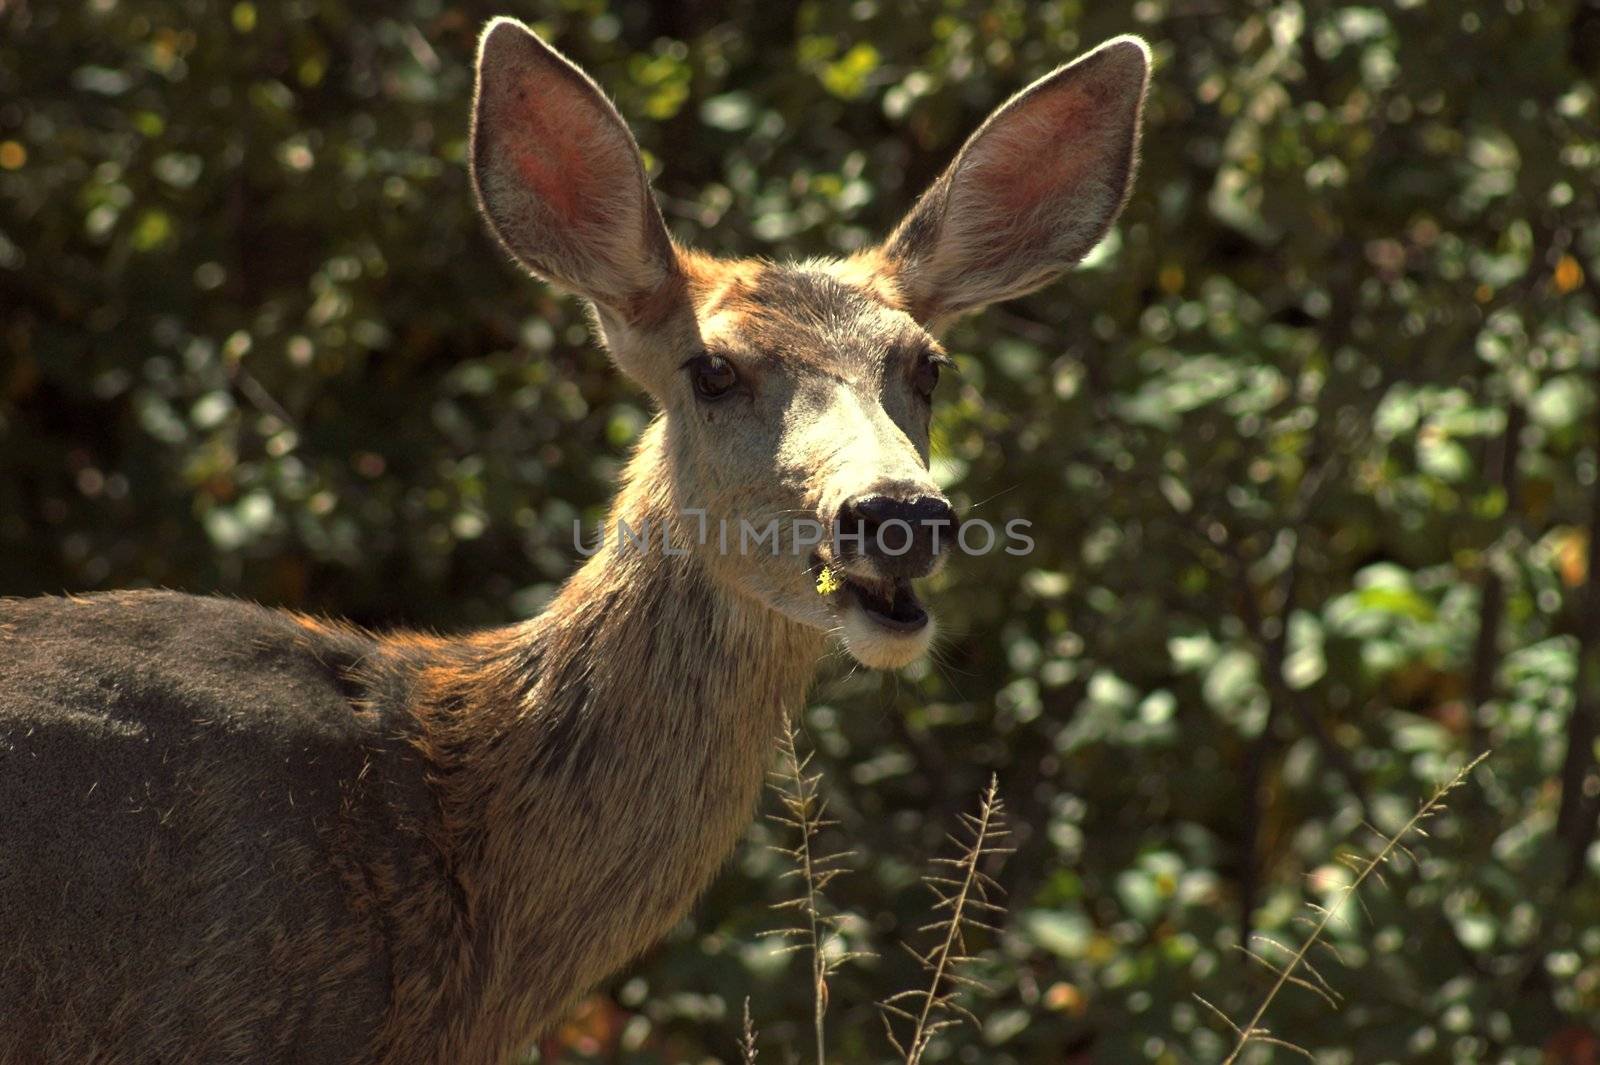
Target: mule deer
235, 834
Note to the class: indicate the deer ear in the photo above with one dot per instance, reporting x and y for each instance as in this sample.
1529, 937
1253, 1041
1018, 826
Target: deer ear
1030, 192
559, 178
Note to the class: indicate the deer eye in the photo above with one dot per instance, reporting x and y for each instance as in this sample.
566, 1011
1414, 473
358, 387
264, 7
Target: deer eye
926, 376
713, 376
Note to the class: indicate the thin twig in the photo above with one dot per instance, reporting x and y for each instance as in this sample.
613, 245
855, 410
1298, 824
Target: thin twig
747, 1042
804, 811
966, 899
1287, 973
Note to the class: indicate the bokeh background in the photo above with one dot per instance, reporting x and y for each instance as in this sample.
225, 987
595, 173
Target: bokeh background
1309, 445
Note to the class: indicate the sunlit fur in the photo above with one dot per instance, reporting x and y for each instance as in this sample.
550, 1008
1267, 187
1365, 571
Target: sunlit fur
236, 835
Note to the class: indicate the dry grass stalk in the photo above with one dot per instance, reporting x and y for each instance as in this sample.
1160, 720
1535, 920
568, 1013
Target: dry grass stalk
747, 1042
1296, 960
805, 813
966, 901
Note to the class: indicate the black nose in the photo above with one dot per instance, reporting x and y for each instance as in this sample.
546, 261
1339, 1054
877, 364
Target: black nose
902, 531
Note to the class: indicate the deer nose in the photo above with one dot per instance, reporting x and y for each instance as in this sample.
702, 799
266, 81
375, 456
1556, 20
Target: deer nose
902, 532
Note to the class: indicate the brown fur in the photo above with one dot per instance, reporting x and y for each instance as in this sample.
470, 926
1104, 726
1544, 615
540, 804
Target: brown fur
507, 818
241, 835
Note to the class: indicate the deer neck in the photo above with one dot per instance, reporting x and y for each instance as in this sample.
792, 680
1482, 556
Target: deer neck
646, 634
604, 759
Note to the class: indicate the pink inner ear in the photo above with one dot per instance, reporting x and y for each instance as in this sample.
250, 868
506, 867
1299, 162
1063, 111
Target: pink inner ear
556, 142
1044, 149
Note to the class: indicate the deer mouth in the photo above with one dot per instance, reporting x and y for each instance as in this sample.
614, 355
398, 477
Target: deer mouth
892, 605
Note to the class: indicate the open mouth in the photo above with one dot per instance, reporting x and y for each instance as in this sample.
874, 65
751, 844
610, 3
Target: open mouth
890, 605
894, 607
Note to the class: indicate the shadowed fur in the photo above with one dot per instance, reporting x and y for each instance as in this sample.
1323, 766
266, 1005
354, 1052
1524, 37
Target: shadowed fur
236, 834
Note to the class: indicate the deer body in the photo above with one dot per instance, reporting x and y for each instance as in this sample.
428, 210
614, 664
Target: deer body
424, 850
235, 834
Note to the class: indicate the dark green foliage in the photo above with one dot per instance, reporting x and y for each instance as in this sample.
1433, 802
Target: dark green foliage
1309, 447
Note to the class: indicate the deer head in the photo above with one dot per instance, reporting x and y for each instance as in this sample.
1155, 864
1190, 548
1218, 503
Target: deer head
802, 393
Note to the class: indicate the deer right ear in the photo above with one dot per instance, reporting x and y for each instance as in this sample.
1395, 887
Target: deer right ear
1031, 191
560, 180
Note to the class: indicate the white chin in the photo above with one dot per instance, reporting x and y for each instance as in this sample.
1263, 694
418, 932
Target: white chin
877, 647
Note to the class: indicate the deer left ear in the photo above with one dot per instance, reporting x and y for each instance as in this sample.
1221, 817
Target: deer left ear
561, 182
1031, 191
